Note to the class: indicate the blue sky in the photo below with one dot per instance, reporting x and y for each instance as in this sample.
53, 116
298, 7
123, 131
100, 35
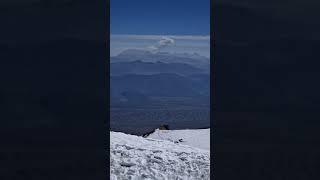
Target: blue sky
160, 17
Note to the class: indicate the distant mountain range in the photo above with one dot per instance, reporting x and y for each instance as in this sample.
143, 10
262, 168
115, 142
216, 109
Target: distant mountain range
139, 74
149, 68
167, 85
194, 59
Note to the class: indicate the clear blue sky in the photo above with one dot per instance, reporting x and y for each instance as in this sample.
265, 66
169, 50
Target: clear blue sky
160, 17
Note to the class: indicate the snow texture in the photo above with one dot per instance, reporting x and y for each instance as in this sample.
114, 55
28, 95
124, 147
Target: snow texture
199, 138
134, 157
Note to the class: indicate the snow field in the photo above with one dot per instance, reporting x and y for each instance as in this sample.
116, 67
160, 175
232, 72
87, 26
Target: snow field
135, 158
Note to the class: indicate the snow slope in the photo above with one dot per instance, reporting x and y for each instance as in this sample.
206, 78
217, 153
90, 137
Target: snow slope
199, 138
135, 157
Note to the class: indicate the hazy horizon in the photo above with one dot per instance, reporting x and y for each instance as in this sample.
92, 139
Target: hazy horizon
199, 44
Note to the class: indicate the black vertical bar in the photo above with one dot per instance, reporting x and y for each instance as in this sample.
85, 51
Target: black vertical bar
213, 120
107, 75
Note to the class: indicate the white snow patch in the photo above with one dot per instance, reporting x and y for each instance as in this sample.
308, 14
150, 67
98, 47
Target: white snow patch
135, 157
199, 138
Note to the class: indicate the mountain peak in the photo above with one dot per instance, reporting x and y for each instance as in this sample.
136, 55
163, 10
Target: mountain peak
143, 52
134, 52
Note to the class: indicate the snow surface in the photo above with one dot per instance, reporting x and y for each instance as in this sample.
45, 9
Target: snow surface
135, 157
199, 138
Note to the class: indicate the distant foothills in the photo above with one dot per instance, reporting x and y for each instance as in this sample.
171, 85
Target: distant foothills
153, 88
159, 74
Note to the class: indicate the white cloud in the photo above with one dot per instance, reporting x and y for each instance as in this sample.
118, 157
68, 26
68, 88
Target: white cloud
163, 42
